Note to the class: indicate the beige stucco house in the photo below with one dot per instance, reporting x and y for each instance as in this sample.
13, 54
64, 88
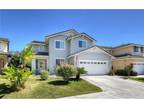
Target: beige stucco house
128, 54
4, 49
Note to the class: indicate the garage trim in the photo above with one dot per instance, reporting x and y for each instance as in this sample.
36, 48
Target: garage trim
94, 67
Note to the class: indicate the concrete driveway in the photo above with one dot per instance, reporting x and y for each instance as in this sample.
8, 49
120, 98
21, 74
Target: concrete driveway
114, 87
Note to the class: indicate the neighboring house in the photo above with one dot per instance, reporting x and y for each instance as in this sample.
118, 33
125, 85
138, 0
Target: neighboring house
71, 47
41, 56
4, 49
128, 54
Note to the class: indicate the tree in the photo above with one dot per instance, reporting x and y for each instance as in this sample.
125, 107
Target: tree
15, 61
22, 59
129, 70
27, 55
80, 70
17, 77
17, 72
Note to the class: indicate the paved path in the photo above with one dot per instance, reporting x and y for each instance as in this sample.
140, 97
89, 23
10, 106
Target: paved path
114, 88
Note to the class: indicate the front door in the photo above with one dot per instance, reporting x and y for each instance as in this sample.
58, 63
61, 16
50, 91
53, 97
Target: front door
40, 65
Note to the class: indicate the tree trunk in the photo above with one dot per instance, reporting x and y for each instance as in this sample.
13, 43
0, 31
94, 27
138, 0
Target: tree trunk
77, 77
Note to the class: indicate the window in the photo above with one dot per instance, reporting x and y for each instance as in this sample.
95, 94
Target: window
136, 49
60, 61
84, 62
142, 49
36, 47
41, 48
59, 44
82, 44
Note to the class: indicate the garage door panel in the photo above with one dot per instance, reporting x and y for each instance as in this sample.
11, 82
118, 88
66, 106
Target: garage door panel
94, 67
138, 67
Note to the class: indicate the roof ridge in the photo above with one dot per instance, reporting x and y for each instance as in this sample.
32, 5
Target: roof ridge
4, 39
124, 45
62, 32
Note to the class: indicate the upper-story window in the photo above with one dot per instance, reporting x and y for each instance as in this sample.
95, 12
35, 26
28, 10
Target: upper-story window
142, 49
59, 44
82, 44
136, 49
41, 48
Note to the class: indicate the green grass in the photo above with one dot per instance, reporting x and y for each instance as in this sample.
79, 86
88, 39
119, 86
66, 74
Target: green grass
52, 88
141, 79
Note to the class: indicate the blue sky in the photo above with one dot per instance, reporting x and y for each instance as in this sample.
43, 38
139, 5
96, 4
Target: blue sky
109, 27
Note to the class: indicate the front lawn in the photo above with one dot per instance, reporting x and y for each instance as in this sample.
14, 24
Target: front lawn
141, 79
52, 88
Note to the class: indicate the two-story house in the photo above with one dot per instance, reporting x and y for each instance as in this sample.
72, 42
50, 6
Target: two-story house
128, 54
41, 55
4, 49
71, 47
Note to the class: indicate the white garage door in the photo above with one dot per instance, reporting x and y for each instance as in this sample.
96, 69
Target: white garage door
94, 67
138, 67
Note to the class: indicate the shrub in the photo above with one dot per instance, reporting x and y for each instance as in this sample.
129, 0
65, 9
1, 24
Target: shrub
134, 73
17, 77
80, 70
2, 71
44, 75
127, 71
121, 72
66, 71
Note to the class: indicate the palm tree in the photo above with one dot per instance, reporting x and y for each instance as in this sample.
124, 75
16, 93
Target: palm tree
27, 55
18, 73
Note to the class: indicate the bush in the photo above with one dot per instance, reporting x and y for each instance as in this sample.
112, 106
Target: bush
80, 70
121, 72
2, 71
44, 75
17, 77
134, 73
66, 71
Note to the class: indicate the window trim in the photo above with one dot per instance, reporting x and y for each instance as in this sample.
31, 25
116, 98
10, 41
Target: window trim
59, 48
142, 49
82, 41
135, 49
59, 58
41, 48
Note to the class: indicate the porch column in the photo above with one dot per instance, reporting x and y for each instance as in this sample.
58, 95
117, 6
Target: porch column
33, 65
75, 60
